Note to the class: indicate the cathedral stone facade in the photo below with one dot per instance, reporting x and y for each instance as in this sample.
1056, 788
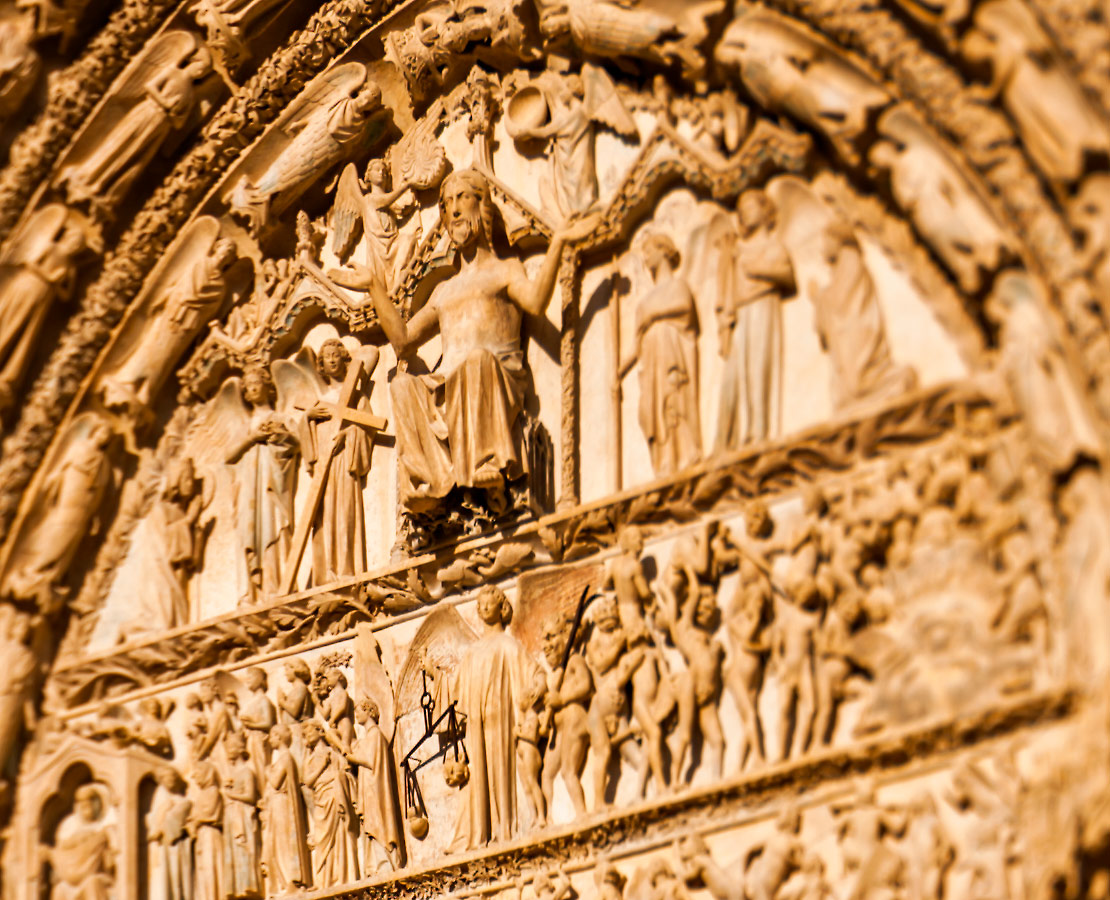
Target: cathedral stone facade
553, 449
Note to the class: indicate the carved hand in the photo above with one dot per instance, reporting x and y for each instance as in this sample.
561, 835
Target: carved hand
578, 228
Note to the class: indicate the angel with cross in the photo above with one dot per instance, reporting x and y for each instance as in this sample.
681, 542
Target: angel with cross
334, 427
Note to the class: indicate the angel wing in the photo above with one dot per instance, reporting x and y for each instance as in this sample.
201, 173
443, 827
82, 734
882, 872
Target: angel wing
550, 598
32, 239
604, 104
321, 92
347, 213
224, 421
297, 149
440, 643
418, 158
298, 384
165, 52
802, 219
371, 678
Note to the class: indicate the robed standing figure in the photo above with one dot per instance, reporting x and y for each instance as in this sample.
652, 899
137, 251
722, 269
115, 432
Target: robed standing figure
490, 681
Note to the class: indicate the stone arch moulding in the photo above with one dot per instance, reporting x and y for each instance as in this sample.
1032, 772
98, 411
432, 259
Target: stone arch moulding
545, 448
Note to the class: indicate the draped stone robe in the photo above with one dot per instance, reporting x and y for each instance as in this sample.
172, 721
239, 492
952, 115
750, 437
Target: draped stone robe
339, 532
459, 423
490, 681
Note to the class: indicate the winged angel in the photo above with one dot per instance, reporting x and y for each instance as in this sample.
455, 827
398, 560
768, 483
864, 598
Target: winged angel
567, 110
369, 210
644, 29
495, 681
251, 432
157, 96
329, 118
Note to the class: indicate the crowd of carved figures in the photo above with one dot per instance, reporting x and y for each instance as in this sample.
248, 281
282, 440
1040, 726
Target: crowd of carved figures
480, 457
271, 795
454, 183
219, 835
952, 840
865, 599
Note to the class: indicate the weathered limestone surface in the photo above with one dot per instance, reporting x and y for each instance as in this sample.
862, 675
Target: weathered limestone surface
539, 449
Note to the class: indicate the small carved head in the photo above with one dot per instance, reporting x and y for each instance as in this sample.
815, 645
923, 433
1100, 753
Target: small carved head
312, 732
494, 607
870, 576
207, 690
280, 736
258, 386
224, 252
169, 779
607, 613
369, 97
236, 746
73, 239
631, 540
205, 774
707, 615
367, 710
152, 707
297, 669
333, 359
181, 480
378, 174
100, 435
554, 641
256, 678
756, 210
200, 63
759, 521
658, 249
466, 208
838, 235
87, 802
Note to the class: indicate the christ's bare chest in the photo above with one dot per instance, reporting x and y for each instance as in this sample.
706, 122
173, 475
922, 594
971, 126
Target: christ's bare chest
474, 310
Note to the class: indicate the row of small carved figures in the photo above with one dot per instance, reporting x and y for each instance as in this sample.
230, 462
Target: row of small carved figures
921, 850
842, 561
953, 839
591, 704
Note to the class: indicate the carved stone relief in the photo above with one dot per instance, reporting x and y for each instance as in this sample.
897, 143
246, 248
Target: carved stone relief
553, 449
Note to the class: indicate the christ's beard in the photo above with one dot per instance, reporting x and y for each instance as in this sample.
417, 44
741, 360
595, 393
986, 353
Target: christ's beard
462, 232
